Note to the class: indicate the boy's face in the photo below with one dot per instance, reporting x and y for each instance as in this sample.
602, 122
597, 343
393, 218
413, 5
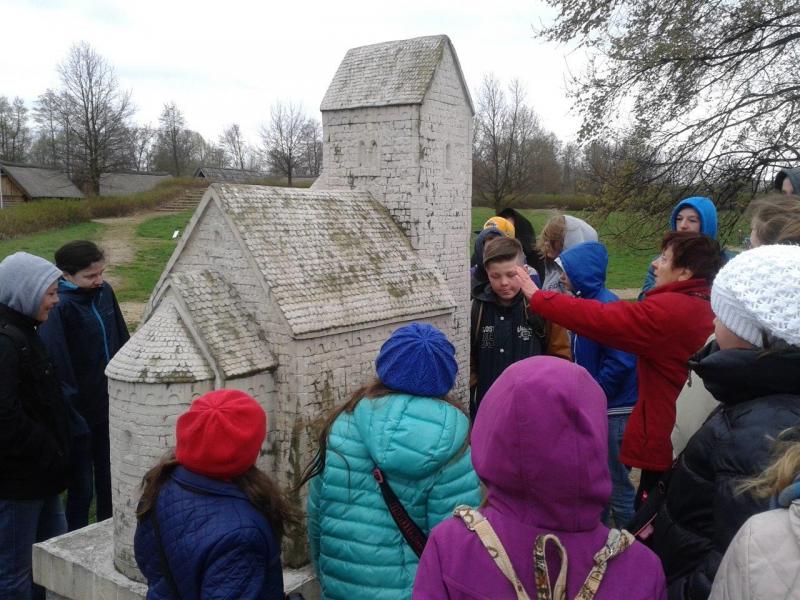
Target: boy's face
566, 282
503, 278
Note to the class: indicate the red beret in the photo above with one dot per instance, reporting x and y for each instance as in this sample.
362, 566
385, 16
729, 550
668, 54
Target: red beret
221, 434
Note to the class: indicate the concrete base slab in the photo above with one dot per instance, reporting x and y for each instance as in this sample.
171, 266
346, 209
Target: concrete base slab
80, 566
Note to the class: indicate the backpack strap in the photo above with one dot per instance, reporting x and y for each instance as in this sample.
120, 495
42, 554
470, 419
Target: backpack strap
617, 542
412, 533
17, 336
476, 522
476, 316
162, 554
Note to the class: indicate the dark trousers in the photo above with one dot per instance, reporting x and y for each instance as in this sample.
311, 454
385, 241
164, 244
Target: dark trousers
90, 475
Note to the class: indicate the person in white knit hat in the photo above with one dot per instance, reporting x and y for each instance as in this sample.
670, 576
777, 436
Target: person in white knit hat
753, 370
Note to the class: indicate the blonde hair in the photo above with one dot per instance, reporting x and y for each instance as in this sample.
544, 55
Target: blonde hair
782, 471
552, 235
776, 218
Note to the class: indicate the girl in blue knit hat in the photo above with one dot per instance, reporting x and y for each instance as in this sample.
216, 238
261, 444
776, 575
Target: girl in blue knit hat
392, 463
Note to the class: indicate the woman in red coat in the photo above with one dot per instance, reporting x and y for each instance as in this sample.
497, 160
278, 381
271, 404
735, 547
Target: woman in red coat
664, 330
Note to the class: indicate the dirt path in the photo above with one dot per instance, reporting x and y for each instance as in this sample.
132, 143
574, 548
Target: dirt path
118, 242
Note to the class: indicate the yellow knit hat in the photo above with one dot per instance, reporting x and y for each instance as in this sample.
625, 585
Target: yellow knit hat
504, 226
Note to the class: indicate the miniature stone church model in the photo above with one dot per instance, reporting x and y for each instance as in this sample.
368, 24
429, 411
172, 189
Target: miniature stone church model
289, 293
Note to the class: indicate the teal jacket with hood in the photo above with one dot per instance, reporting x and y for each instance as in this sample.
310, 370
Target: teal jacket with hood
421, 446
708, 226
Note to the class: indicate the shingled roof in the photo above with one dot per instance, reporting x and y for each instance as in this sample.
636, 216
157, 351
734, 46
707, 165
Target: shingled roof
225, 175
41, 182
130, 182
390, 73
199, 330
349, 266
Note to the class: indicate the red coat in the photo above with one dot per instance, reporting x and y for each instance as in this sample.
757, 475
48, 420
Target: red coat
663, 330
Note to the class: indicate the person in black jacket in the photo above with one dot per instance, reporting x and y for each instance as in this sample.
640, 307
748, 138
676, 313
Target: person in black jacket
34, 428
83, 334
753, 369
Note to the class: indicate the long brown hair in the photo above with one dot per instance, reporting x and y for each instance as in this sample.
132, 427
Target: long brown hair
371, 391
259, 488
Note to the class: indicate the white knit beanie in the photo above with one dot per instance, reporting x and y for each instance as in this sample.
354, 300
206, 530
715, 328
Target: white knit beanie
758, 292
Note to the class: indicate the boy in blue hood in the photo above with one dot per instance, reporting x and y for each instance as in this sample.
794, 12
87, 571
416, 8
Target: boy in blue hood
697, 214
584, 274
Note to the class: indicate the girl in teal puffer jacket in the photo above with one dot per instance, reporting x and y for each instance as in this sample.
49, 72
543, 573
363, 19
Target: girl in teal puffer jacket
403, 424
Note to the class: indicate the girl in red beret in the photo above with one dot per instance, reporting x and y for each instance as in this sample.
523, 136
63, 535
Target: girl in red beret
210, 522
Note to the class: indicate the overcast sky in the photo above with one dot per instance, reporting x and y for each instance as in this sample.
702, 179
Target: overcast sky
229, 60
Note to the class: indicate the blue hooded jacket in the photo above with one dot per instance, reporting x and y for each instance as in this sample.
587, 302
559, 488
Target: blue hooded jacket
615, 371
708, 226
82, 334
704, 207
217, 544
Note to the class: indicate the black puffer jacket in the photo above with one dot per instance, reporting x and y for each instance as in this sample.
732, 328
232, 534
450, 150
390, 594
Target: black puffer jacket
34, 421
760, 396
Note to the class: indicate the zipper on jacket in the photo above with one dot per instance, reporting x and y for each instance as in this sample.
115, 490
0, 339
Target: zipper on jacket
102, 330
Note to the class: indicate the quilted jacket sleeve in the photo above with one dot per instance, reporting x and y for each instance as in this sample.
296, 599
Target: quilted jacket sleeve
455, 484
239, 567
733, 576
312, 508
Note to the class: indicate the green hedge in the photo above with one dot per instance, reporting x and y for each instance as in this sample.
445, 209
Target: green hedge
43, 215
33, 217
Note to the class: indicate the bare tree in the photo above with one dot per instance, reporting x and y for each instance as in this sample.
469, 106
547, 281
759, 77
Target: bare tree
140, 146
50, 131
710, 87
503, 148
282, 138
311, 140
236, 149
177, 146
15, 135
95, 111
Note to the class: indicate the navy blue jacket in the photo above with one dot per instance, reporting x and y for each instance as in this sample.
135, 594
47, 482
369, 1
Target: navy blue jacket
615, 371
82, 334
759, 396
217, 544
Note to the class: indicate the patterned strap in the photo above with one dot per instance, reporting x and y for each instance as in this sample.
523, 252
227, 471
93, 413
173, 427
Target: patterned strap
618, 541
476, 522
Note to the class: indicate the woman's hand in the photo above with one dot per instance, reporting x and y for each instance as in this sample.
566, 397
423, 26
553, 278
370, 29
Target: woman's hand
526, 285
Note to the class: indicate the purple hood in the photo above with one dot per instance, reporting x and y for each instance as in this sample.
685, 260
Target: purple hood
540, 446
543, 418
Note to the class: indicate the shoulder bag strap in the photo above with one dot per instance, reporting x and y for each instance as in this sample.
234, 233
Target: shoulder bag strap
476, 522
162, 555
412, 533
543, 590
618, 541
477, 325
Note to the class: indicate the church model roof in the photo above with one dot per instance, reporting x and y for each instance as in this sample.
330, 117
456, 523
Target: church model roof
199, 331
331, 259
390, 73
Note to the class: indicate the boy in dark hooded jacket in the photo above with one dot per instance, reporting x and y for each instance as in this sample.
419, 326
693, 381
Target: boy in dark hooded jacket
584, 274
503, 330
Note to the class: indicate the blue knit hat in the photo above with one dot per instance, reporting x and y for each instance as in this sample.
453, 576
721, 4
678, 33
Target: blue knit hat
417, 359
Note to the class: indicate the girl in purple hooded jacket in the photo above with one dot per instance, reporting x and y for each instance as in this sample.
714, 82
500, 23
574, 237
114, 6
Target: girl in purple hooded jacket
542, 476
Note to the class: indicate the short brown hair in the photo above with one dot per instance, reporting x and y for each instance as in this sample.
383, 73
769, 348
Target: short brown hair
776, 218
696, 252
501, 249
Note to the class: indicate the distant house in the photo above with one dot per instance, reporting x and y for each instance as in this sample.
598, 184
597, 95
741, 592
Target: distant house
125, 183
224, 175
22, 183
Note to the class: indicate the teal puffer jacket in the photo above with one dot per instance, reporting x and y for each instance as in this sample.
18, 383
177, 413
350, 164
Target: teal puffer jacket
420, 444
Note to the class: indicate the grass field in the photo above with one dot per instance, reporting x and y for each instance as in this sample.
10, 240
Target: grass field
45, 244
154, 245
